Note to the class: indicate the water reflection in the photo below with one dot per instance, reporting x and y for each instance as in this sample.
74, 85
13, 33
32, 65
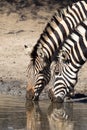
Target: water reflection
12, 113
37, 116
59, 116
41, 115
67, 116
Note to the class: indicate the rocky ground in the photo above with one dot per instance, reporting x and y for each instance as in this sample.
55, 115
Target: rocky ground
20, 27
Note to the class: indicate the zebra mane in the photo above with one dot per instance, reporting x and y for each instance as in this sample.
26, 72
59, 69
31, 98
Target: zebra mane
60, 13
33, 54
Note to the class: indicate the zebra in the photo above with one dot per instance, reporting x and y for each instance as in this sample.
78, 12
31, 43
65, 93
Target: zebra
71, 58
49, 45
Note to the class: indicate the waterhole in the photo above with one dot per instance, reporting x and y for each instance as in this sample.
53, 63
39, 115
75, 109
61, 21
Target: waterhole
17, 114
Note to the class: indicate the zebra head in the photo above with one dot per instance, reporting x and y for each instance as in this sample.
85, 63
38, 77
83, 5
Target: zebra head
65, 78
41, 72
70, 60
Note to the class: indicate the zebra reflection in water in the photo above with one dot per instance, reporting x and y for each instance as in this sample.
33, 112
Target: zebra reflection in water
59, 116
49, 117
37, 116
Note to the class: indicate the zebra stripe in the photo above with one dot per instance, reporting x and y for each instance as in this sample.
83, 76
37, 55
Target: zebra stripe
58, 29
76, 48
49, 43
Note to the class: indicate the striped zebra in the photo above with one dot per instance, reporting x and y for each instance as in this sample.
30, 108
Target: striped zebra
49, 43
71, 58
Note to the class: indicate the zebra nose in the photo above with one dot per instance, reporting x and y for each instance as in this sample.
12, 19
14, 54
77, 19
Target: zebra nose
53, 98
30, 94
59, 100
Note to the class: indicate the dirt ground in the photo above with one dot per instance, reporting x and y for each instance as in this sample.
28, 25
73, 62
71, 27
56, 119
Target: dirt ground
20, 29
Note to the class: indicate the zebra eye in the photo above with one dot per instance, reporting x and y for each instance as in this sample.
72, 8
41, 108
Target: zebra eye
40, 53
65, 58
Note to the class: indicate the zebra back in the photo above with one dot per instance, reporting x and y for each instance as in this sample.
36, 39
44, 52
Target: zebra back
57, 30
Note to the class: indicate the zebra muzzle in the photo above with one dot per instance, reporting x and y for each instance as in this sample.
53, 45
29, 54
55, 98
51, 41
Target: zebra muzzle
30, 94
53, 98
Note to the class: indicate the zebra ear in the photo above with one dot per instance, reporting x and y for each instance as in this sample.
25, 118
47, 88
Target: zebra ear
40, 51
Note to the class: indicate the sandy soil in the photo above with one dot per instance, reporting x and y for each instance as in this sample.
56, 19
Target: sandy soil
17, 31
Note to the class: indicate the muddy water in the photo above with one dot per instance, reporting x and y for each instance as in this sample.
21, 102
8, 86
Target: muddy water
12, 113
15, 114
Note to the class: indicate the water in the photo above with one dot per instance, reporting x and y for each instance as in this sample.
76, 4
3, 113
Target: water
15, 114
12, 113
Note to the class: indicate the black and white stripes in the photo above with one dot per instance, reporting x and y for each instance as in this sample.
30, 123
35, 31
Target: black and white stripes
75, 47
50, 42
59, 28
